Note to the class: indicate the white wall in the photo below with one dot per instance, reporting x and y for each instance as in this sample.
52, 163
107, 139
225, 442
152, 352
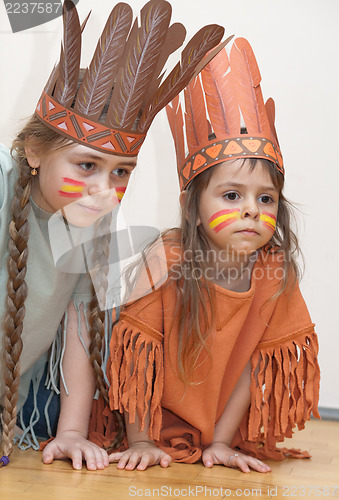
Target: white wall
296, 44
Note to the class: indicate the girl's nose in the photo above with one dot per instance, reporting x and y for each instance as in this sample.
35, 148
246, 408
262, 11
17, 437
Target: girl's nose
100, 184
250, 211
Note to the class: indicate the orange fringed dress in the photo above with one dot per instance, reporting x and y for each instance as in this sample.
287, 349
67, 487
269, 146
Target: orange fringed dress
276, 335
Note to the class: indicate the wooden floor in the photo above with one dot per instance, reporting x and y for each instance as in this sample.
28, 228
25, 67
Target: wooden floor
26, 478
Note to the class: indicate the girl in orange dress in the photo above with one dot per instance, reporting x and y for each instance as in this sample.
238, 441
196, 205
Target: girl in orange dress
216, 359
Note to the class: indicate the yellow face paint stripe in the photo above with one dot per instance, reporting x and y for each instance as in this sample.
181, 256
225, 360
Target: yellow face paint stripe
119, 193
72, 189
221, 219
268, 220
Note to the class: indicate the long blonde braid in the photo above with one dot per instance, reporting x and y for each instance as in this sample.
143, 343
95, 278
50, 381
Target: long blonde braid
97, 315
17, 293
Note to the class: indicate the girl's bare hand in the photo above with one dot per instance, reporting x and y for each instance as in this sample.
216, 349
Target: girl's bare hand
220, 453
140, 455
73, 445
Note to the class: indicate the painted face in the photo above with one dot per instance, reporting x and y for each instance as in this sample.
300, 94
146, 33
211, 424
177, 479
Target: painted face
224, 218
85, 184
238, 209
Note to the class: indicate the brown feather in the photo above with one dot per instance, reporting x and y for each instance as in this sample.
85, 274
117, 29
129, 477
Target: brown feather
175, 38
69, 65
270, 110
195, 115
209, 56
176, 123
83, 26
51, 80
247, 78
54, 75
100, 75
145, 47
221, 98
207, 38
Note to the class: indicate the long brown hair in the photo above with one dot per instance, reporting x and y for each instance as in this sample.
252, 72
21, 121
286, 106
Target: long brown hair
195, 309
46, 140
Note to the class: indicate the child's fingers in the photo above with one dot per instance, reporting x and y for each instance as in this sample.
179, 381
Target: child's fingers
50, 453
124, 460
101, 458
145, 461
93, 458
165, 460
115, 457
207, 459
133, 461
76, 457
258, 465
237, 460
47, 456
241, 463
244, 463
105, 457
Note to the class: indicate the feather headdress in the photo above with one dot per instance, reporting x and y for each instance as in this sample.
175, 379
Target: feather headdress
229, 90
121, 91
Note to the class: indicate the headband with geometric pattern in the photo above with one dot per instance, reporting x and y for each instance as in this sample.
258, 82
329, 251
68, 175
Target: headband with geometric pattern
230, 90
121, 91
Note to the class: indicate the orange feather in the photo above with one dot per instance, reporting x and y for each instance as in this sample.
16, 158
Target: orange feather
203, 41
195, 115
247, 80
221, 98
176, 122
270, 110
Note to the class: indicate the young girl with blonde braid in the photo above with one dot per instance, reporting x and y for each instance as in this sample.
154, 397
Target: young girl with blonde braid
74, 158
219, 363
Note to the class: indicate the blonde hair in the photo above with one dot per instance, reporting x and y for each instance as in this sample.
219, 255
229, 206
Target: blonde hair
37, 134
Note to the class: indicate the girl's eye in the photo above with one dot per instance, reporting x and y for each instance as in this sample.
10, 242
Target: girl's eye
120, 172
232, 196
265, 199
87, 166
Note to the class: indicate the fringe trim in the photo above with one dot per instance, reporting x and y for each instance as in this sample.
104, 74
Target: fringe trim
284, 393
57, 350
102, 426
28, 438
137, 374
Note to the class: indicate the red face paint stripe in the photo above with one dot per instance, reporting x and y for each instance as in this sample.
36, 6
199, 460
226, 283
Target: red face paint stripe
119, 193
223, 212
73, 182
268, 220
70, 195
270, 215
